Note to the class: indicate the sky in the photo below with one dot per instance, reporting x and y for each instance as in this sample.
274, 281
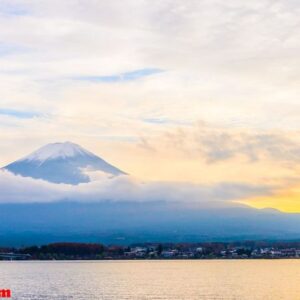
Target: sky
199, 93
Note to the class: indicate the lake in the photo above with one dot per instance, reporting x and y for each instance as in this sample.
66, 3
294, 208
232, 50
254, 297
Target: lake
164, 279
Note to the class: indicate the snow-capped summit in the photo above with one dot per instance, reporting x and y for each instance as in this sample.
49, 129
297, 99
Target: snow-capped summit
57, 150
61, 163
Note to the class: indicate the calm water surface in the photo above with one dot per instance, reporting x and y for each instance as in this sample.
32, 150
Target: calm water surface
200, 279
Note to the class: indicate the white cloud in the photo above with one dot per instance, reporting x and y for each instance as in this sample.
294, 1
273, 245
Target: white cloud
20, 189
215, 144
17, 189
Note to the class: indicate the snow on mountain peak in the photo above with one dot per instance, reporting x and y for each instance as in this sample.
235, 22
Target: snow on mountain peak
62, 163
57, 150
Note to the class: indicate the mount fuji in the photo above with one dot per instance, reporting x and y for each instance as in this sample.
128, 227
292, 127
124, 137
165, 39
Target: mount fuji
61, 163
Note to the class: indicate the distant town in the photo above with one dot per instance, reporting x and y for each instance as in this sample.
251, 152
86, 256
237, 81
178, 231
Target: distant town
214, 250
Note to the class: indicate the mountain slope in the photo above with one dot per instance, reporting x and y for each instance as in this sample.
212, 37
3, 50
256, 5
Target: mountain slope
61, 163
132, 222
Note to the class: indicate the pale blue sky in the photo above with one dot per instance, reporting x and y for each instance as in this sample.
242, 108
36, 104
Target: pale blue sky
127, 76
18, 113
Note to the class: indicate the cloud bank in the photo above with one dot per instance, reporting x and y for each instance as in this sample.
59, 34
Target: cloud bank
17, 189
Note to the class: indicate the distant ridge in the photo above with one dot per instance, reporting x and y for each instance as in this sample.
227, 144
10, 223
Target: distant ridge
61, 163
